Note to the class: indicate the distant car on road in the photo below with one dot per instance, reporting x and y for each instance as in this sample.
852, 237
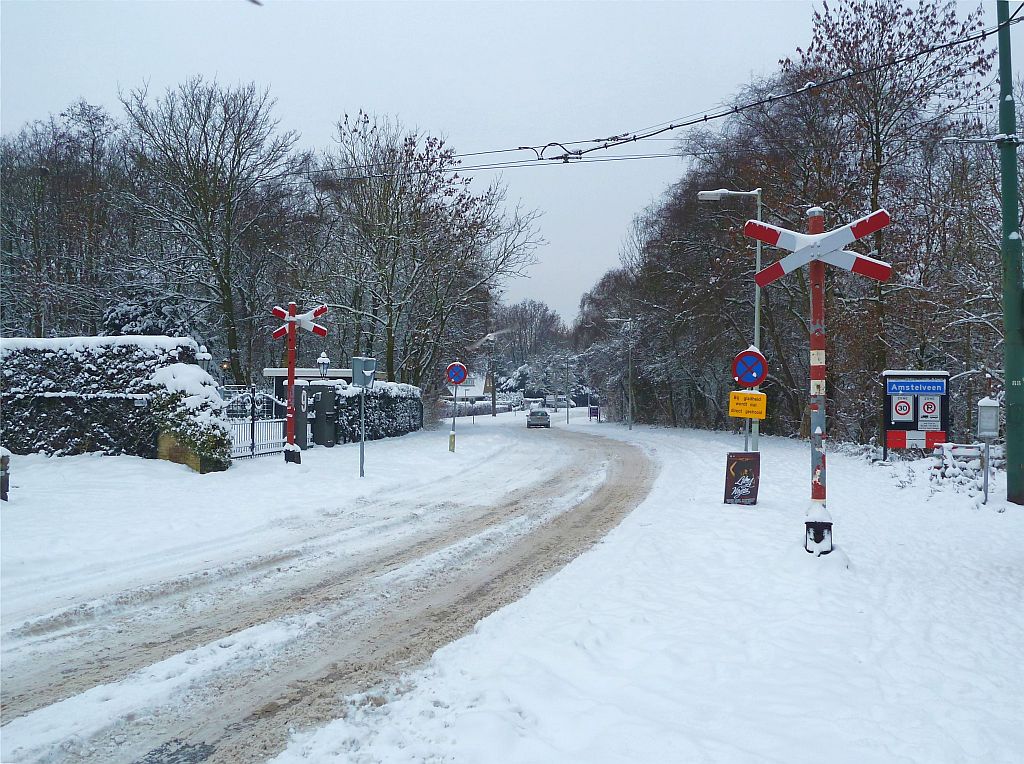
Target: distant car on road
538, 418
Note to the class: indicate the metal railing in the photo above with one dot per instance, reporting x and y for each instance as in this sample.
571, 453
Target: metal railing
255, 430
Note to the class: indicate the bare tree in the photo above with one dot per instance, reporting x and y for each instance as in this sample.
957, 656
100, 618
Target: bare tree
205, 155
417, 255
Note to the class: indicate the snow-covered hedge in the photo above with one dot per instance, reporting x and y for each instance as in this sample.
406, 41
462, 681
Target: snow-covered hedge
479, 408
392, 408
70, 395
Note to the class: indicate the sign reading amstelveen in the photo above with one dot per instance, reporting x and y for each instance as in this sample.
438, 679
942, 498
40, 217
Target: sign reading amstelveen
915, 386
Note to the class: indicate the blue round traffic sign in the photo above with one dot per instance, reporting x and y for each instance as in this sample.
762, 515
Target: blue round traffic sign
456, 373
749, 368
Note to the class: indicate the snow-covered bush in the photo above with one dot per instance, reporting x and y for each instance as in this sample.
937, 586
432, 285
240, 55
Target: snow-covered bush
960, 468
392, 408
185, 403
70, 395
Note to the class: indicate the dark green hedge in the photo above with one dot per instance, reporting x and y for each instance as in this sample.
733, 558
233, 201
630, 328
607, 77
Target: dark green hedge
391, 409
73, 395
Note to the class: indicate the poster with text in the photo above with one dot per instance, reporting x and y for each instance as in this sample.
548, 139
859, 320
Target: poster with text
742, 476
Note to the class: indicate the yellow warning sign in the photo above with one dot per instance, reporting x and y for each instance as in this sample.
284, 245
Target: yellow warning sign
748, 405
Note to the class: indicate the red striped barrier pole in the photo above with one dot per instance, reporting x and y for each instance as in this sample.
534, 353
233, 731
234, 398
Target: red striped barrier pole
816, 224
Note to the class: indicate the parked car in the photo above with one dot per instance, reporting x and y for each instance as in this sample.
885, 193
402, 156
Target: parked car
538, 418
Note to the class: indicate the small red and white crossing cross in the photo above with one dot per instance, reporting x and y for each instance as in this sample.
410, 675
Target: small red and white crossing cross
826, 247
303, 320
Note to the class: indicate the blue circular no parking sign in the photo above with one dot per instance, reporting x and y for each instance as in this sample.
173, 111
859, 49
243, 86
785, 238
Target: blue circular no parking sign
456, 373
749, 368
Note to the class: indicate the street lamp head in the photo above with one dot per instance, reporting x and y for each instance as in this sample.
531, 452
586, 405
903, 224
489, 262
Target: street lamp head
323, 363
720, 193
204, 358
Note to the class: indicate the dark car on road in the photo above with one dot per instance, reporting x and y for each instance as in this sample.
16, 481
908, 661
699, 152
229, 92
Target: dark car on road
538, 418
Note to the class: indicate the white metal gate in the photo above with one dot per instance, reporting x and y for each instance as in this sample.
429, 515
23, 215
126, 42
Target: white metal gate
255, 428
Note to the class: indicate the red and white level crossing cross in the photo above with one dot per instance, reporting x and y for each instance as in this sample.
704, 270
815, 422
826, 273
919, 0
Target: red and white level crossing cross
814, 249
826, 247
303, 320
292, 320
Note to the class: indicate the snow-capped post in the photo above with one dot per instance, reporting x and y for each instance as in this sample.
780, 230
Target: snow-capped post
815, 248
456, 373
750, 369
363, 373
988, 428
291, 321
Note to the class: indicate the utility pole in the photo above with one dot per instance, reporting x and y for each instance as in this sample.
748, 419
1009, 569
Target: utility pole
1013, 332
494, 387
567, 388
629, 323
631, 374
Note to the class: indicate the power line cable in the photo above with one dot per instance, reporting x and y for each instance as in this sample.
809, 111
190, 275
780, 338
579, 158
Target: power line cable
622, 139
771, 98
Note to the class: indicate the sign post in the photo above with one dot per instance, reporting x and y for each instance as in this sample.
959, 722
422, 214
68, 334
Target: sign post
291, 321
456, 374
363, 373
814, 249
749, 369
743, 468
988, 428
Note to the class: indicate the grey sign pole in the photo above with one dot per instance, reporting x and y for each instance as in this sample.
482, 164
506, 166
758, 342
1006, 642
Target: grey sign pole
988, 428
363, 370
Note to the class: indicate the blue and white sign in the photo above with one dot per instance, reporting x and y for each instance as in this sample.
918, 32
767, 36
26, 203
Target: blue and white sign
915, 386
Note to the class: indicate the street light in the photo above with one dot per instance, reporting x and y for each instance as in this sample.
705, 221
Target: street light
323, 363
716, 196
567, 398
629, 413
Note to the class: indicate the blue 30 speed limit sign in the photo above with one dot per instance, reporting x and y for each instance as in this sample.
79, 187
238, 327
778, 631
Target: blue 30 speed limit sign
749, 368
456, 373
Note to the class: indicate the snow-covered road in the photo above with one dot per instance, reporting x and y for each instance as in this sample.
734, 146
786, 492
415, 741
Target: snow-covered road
306, 593
693, 632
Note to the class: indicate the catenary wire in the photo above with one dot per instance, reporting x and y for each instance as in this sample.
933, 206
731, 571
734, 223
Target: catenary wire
622, 139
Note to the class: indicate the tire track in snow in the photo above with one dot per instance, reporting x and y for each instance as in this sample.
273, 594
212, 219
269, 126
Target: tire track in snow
384, 610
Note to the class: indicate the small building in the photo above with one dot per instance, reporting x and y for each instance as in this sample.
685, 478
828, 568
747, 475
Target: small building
476, 388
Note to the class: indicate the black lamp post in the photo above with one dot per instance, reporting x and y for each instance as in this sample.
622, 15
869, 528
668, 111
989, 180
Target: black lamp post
204, 359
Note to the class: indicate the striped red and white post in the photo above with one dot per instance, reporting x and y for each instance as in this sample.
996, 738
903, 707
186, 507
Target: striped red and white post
293, 320
816, 224
814, 249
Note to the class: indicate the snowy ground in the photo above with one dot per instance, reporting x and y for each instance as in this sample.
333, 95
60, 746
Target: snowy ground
696, 631
704, 632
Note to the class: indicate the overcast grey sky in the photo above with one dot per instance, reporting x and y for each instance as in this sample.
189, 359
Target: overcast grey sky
487, 75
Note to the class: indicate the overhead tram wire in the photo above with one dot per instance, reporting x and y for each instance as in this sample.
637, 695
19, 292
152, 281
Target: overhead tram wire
771, 98
576, 156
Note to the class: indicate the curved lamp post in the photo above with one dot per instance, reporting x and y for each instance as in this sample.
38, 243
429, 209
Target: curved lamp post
629, 321
716, 196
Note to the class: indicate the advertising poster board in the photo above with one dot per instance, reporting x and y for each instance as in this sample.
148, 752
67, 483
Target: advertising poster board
742, 476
